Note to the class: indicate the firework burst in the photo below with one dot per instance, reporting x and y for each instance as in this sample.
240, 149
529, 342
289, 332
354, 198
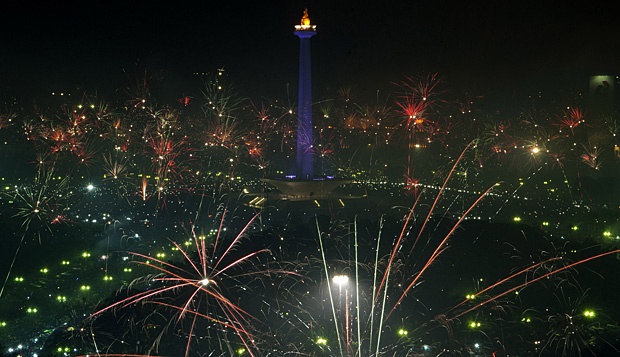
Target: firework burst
199, 292
38, 206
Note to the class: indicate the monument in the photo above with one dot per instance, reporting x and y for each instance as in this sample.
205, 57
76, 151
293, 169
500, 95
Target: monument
303, 184
305, 160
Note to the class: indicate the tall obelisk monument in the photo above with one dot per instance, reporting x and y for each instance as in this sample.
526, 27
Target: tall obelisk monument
305, 160
302, 185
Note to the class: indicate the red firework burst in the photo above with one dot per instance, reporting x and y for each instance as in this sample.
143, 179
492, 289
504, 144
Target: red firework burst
570, 119
201, 289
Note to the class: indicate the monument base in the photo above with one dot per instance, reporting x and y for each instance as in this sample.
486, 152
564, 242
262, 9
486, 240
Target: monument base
302, 190
315, 192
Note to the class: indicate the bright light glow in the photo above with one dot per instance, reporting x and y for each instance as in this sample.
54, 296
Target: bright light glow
340, 279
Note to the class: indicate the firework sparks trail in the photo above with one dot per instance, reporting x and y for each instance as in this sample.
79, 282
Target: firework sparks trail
529, 282
438, 196
375, 292
331, 297
507, 279
143, 188
409, 217
440, 248
401, 237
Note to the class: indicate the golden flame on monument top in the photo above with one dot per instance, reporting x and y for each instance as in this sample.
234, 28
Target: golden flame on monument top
305, 23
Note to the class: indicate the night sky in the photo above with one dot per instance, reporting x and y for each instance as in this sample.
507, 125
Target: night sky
102, 45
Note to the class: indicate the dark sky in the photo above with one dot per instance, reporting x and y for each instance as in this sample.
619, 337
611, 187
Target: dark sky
101, 45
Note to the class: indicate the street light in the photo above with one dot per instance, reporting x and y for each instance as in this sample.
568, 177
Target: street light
343, 280
340, 280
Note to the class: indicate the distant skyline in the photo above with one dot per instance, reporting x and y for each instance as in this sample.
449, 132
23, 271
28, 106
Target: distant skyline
363, 44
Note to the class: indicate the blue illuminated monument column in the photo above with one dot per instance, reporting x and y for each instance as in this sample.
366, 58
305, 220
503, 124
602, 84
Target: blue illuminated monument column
303, 185
305, 160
